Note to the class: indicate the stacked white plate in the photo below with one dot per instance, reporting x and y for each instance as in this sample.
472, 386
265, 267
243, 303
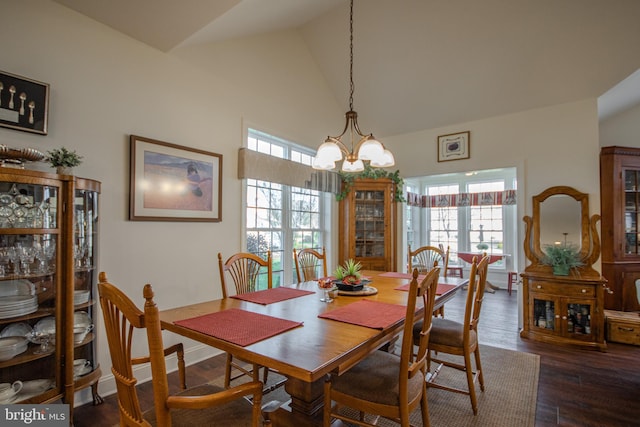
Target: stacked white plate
80, 297
17, 305
12, 346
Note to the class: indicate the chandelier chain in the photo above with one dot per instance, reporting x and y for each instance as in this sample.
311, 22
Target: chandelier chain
351, 87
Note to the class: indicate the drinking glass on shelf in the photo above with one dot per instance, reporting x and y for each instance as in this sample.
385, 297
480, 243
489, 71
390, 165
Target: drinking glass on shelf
26, 255
14, 258
42, 338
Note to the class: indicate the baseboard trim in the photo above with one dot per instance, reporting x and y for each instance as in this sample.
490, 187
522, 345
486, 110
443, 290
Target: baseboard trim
107, 383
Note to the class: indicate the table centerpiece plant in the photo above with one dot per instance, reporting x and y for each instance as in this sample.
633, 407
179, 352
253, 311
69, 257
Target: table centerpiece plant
562, 258
349, 273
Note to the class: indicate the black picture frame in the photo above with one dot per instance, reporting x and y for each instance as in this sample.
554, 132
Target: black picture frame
24, 103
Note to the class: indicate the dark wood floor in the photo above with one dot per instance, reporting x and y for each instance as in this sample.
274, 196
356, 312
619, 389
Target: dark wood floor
576, 388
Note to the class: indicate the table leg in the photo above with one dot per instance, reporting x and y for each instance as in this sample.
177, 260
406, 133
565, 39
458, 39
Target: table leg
305, 407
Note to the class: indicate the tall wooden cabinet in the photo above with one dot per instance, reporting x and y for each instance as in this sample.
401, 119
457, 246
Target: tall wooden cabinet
368, 225
48, 274
620, 210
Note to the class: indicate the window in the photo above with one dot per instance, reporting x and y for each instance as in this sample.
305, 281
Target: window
281, 217
463, 228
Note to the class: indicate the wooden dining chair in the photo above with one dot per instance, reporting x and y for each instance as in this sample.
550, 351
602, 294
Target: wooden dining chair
308, 263
424, 258
384, 384
244, 268
202, 405
460, 338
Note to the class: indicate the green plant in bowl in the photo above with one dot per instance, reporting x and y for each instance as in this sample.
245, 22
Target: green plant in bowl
562, 258
349, 273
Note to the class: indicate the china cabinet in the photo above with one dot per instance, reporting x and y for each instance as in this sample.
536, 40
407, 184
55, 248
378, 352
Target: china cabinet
620, 209
48, 254
563, 309
367, 230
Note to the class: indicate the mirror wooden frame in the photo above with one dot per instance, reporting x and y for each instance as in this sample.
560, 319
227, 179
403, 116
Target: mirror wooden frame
590, 240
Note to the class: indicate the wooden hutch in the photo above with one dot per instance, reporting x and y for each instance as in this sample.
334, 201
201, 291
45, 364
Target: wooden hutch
563, 309
368, 225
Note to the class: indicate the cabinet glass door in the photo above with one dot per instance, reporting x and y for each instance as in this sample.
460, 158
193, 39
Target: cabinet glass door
370, 220
631, 210
578, 323
84, 284
30, 331
544, 314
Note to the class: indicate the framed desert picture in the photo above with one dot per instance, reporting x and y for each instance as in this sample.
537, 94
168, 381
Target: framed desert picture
170, 182
454, 146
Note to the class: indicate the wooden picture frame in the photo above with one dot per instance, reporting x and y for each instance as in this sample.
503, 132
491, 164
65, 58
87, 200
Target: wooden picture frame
24, 103
170, 182
454, 146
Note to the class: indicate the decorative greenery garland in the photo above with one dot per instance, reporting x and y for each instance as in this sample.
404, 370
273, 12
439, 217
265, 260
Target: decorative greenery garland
349, 178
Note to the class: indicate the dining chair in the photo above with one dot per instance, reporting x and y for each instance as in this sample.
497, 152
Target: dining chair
308, 262
424, 258
385, 384
201, 405
244, 268
460, 338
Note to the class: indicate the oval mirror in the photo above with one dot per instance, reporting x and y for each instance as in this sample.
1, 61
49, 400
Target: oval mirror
561, 221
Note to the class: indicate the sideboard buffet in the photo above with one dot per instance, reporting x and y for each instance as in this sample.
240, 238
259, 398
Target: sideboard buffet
48, 273
563, 309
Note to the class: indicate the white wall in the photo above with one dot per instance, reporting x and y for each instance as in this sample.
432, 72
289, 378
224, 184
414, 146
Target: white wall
622, 129
106, 86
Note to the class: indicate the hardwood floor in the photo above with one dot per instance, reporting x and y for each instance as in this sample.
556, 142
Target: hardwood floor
576, 388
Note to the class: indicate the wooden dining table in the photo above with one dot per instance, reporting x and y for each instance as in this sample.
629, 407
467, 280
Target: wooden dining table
306, 354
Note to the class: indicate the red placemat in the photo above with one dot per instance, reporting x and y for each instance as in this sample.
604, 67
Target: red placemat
443, 288
269, 296
397, 275
372, 314
239, 327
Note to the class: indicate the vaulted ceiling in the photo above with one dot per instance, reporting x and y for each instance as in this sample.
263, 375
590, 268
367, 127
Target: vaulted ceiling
421, 64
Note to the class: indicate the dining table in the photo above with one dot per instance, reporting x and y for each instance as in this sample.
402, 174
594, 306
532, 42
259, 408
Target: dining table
469, 256
315, 341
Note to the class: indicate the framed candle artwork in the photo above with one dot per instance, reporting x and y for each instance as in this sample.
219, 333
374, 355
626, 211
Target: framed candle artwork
454, 146
24, 103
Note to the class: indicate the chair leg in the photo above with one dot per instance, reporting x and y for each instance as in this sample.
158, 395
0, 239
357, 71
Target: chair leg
227, 371
424, 407
476, 354
472, 388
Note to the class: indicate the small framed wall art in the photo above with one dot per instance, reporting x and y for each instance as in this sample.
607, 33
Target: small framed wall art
454, 146
170, 182
24, 103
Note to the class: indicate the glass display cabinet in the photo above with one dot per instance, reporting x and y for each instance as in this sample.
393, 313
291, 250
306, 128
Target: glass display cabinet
563, 309
620, 210
367, 225
48, 251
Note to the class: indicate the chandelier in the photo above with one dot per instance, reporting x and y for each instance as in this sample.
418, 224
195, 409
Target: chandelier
362, 147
